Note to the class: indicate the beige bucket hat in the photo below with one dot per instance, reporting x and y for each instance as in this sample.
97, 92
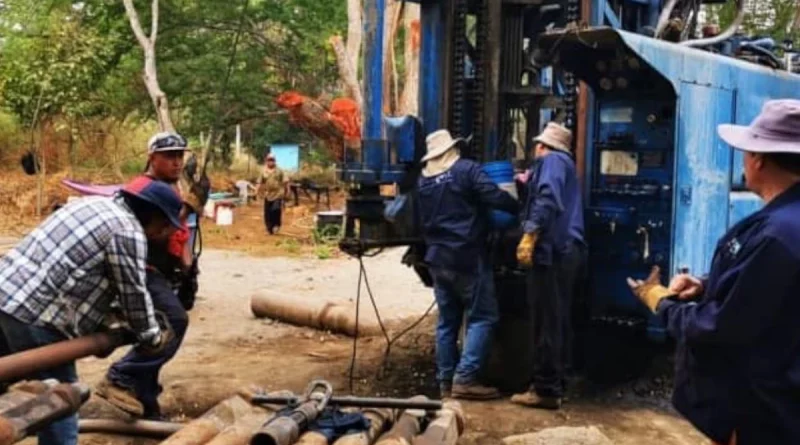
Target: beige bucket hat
439, 142
555, 136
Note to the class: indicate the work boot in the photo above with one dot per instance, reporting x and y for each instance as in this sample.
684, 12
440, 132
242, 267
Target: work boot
474, 391
445, 390
533, 400
122, 398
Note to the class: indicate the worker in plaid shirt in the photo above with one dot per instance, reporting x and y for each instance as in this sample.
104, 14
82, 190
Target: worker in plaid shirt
61, 280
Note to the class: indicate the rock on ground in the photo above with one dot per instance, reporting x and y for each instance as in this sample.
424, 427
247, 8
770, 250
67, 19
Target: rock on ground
562, 435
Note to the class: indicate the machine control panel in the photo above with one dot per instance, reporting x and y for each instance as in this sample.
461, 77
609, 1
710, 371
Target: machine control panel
630, 197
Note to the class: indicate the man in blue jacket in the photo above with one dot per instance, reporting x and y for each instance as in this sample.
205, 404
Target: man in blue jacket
553, 249
455, 197
738, 357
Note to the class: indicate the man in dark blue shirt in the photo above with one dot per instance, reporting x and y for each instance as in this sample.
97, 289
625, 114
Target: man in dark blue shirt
737, 376
455, 199
554, 251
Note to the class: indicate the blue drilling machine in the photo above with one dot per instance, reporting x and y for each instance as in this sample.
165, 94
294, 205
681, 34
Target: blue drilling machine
643, 95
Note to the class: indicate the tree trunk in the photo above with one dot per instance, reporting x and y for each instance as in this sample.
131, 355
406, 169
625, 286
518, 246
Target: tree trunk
347, 53
391, 24
348, 72
410, 97
150, 76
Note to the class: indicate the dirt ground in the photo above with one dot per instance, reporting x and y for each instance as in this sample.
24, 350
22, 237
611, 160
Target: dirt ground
227, 348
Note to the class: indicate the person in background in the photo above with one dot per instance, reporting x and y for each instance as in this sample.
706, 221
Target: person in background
455, 197
61, 279
244, 187
132, 383
273, 185
737, 362
554, 251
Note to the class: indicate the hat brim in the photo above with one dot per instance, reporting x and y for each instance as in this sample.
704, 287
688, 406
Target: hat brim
551, 143
441, 150
172, 220
166, 149
741, 138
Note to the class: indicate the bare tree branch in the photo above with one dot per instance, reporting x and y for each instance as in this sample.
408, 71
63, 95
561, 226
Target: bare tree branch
159, 98
154, 24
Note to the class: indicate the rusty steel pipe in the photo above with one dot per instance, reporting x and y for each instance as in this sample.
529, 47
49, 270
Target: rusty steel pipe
141, 428
335, 317
312, 438
445, 428
407, 426
54, 404
210, 424
28, 362
243, 429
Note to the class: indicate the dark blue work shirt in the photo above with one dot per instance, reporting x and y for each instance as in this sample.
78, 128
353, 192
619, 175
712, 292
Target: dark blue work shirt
454, 208
554, 207
738, 356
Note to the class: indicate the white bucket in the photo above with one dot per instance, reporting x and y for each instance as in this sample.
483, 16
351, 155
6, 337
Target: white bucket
208, 210
224, 216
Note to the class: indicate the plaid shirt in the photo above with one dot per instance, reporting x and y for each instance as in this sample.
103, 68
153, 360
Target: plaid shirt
67, 272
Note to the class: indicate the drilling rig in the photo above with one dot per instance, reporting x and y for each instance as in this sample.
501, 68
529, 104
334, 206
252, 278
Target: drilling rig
643, 87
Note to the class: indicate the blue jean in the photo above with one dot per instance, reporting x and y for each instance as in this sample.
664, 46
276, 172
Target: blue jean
139, 372
456, 293
20, 337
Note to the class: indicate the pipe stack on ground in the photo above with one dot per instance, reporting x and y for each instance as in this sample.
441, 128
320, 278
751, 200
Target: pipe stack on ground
407, 426
445, 428
379, 419
28, 407
213, 422
334, 317
242, 430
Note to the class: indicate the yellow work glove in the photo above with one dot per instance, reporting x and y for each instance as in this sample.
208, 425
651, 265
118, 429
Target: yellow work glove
525, 249
650, 291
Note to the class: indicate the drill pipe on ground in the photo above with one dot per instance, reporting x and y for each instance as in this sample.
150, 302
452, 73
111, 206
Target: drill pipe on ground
286, 429
312, 438
25, 363
445, 428
407, 426
142, 428
358, 402
379, 419
53, 404
334, 317
210, 424
243, 429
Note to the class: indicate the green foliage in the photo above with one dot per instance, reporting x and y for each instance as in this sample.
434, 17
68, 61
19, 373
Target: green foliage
85, 63
767, 18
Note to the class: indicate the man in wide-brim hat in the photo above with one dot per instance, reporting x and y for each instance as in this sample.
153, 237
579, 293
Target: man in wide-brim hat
738, 358
553, 250
455, 197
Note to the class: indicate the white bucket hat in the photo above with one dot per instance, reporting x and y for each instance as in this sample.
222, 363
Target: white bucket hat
775, 130
555, 136
439, 142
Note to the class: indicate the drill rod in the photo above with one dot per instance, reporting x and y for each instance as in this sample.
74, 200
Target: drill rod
359, 402
25, 363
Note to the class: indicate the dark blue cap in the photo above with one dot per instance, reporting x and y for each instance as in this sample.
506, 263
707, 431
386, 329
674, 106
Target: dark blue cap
159, 194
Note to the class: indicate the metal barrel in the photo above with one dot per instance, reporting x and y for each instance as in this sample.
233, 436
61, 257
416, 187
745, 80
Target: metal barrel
28, 362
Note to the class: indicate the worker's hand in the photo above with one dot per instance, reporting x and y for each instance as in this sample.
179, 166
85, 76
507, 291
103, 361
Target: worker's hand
115, 326
650, 291
525, 249
159, 343
686, 286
